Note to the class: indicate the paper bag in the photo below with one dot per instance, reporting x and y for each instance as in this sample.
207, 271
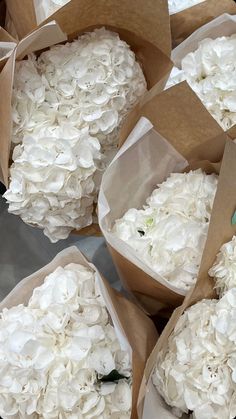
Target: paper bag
189, 20
145, 160
134, 330
150, 404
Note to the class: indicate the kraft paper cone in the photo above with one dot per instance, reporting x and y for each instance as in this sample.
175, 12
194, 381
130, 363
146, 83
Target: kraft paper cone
178, 115
149, 19
224, 25
220, 231
145, 160
184, 23
135, 331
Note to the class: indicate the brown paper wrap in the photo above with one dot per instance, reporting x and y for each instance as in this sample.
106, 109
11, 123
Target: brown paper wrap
137, 26
178, 115
220, 231
136, 328
148, 20
223, 25
186, 22
10, 27
155, 159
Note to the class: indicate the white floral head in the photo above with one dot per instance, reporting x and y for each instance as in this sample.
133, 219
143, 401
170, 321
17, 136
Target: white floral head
169, 233
224, 268
198, 371
209, 70
67, 108
60, 355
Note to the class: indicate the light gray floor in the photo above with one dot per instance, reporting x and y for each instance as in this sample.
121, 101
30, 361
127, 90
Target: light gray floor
25, 249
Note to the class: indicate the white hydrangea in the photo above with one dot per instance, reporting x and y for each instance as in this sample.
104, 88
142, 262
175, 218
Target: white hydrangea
176, 6
67, 105
210, 72
55, 351
198, 371
224, 268
169, 233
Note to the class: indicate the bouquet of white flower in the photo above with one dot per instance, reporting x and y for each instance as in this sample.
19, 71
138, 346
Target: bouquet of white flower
169, 233
157, 235
64, 350
193, 364
185, 22
206, 61
67, 107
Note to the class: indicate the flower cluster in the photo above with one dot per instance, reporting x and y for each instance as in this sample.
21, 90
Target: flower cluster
198, 371
52, 182
210, 72
176, 6
57, 353
224, 268
169, 233
67, 105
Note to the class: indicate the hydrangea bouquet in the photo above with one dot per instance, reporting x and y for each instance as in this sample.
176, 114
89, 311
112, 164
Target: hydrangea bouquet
206, 61
67, 108
198, 370
192, 368
65, 347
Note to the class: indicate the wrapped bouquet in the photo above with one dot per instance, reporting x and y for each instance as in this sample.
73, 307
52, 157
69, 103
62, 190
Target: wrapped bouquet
169, 233
65, 349
206, 61
157, 235
198, 13
191, 372
68, 105
66, 108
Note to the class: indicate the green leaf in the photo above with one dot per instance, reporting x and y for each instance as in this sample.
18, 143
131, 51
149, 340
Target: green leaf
114, 375
149, 222
233, 220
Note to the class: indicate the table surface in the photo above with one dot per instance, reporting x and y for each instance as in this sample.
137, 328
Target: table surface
25, 249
